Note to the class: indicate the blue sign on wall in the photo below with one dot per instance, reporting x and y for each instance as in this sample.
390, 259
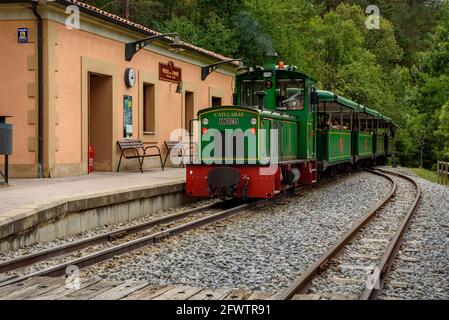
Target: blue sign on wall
22, 35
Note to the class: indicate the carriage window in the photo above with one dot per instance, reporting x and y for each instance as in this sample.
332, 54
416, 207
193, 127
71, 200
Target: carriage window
290, 94
248, 92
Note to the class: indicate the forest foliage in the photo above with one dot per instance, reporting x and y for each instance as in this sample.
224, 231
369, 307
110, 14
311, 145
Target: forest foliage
401, 69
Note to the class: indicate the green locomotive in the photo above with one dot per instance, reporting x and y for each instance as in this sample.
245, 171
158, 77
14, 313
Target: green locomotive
282, 132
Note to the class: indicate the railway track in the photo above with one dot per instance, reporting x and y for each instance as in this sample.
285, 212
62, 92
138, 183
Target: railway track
340, 273
65, 249
12, 270
357, 265
92, 250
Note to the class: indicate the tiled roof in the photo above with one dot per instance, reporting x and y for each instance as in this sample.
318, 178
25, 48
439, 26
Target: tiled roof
127, 23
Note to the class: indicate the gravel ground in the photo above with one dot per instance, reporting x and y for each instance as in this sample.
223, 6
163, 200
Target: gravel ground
421, 268
262, 250
348, 273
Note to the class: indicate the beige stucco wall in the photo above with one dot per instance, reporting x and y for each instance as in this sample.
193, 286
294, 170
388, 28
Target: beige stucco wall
17, 93
68, 57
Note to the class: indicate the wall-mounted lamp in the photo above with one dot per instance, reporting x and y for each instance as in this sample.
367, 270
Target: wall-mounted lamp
176, 46
178, 86
241, 68
205, 71
133, 47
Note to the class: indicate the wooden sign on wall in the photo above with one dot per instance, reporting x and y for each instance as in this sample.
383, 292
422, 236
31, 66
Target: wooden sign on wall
168, 72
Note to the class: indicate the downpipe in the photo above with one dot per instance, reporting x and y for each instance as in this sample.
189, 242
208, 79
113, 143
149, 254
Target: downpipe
40, 86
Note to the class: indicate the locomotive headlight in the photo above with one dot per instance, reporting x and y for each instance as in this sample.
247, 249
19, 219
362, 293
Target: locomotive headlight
253, 121
205, 121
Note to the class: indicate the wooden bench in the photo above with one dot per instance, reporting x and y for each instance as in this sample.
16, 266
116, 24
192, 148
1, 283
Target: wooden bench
136, 149
182, 147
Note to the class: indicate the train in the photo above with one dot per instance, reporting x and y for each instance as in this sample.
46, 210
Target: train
282, 132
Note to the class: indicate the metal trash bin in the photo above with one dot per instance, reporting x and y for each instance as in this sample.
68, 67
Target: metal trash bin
5, 143
5, 138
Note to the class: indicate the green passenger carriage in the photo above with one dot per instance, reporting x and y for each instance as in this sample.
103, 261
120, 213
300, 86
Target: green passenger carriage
281, 132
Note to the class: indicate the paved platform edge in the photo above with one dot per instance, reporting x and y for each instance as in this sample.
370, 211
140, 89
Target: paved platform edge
26, 217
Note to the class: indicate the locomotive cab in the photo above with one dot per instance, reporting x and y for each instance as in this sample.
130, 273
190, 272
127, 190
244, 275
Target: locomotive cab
261, 145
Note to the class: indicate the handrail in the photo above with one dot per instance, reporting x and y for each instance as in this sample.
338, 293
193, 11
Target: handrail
190, 139
443, 172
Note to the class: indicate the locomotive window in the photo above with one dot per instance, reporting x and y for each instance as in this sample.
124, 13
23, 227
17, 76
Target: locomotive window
248, 92
290, 94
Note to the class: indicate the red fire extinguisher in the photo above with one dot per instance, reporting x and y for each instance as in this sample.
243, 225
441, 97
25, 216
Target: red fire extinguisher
91, 158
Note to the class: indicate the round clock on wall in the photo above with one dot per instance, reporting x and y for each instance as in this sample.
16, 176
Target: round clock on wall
130, 77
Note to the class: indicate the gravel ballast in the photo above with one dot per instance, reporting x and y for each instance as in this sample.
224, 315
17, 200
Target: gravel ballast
420, 270
262, 250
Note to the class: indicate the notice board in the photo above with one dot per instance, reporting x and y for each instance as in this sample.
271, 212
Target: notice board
127, 116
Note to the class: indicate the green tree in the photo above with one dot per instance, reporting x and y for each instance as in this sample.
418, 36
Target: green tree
443, 132
413, 21
281, 25
432, 85
215, 35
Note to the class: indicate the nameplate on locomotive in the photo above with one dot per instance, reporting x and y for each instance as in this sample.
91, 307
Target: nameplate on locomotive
228, 121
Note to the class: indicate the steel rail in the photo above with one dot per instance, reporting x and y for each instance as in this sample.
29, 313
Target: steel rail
64, 249
30, 259
390, 254
139, 243
303, 282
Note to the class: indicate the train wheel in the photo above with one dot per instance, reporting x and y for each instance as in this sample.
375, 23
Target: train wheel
333, 171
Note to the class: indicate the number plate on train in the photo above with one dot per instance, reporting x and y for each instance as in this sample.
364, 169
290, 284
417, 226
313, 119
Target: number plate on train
228, 121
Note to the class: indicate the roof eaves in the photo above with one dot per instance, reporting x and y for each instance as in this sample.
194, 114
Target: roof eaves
91, 10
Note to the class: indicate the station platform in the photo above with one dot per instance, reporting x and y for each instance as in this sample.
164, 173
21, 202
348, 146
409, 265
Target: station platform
26, 204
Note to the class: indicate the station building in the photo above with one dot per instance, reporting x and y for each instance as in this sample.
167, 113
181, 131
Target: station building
87, 93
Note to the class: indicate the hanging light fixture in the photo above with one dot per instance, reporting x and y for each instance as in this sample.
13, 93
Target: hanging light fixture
179, 87
176, 46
